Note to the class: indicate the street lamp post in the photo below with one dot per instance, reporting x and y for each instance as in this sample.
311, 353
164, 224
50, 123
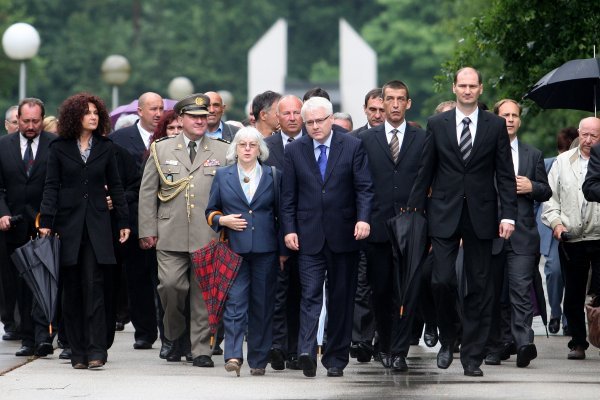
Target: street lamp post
115, 72
21, 42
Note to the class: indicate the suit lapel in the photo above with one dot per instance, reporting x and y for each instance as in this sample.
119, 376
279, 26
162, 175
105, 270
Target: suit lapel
278, 149
311, 161
233, 180
99, 147
337, 146
181, 154
450, 124
409, 137
523, 160
136, 139
265, 181
15, 150
71, 150
41, 153
481, 136
381, 140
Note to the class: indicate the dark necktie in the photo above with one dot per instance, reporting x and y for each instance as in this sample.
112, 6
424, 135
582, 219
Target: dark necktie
290, 140
395, 145
192, 146
28, 157
465, 144
322, 161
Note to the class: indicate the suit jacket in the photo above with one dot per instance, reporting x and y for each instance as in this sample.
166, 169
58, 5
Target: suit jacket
326, 210
131, 178
591, 185
130, 139
168, 220
229, 132
20, 194
276, 150
525, 239
75, 197
357, 131
452, 181
392, 182
227, 196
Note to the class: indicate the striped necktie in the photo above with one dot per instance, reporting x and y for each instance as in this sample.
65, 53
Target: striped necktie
465, 144
395, 145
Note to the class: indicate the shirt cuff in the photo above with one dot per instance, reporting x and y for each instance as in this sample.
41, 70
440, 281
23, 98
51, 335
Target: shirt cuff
510, 221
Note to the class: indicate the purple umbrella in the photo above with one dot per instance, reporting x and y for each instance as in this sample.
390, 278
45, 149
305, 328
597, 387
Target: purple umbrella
132, 107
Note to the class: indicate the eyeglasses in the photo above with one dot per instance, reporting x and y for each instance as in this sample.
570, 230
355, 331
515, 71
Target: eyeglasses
243, 145
319, 121
14, 122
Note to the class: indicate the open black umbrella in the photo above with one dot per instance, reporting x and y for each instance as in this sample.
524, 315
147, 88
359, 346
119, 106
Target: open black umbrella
38, 262
408, 233
575, 85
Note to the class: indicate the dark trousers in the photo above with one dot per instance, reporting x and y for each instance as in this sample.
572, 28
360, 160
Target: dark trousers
286, 318
363, 326
576, 259
140, 266
341, 277
8, 289
426, 301
84, 310
250, 304
478, 299
34, 327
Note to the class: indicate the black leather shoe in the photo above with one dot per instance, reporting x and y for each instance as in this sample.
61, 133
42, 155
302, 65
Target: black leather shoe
165, 348
364, 352
386, 359
277, 359
445, 357
399, 364
525, 354
292, 363
217, 351
308, 365
203, 362
189, 357
554, 325
142, 345
43, 349
65, 354
471, 370
24, 351
335, 372
175, 352
492, 359
11, 336
430, 337
508, 349
566, 331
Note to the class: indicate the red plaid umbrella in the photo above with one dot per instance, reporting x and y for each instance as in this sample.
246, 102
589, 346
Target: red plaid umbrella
216, 267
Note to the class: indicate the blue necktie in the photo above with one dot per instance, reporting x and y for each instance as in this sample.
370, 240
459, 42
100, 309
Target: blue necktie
322, 161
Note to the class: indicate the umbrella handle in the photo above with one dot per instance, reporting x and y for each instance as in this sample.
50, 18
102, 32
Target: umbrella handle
209, 219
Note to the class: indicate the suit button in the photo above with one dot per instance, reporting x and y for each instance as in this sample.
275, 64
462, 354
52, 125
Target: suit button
192, 195
191, 185
250, 212
191, 206
85, 182
323, 191
85, 196
252, 228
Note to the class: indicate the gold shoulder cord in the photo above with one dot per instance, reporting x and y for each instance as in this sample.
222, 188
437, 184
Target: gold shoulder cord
173, 188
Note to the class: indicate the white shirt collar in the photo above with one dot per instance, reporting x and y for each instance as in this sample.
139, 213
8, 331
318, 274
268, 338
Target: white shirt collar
327, 142
144, 134
23, 144
389, 128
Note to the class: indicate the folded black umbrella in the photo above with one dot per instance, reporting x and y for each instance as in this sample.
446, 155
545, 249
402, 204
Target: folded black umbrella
408, 234
38, 262
538, 299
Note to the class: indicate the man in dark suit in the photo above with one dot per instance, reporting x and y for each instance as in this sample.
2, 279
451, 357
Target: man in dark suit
394, 151
140, 265
287, 297
217, 129
264, 109
515, 259
374, 111
23, 158
463, 161
325, 211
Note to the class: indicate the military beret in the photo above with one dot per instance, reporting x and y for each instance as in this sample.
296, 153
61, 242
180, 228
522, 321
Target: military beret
196, 104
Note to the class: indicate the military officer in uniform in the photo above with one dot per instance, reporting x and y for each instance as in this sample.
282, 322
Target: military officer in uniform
173, 196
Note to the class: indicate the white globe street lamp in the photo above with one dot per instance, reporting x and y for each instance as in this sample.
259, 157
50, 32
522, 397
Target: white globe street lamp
115, 72
21, 42
180, 87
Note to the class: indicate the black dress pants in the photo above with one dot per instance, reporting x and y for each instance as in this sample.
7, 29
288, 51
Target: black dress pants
8, 289
286, 317
84, 310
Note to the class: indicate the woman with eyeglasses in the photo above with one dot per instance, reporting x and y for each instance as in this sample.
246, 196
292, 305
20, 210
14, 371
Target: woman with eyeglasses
243, 201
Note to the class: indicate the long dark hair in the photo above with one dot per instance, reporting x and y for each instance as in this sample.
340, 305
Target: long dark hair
72, 111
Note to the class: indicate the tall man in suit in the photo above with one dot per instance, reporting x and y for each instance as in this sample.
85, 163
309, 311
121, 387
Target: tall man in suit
140, 265
23, 158
173, 196
217, 129
394, 151
463, 161
325, 212
287, 296
515, 259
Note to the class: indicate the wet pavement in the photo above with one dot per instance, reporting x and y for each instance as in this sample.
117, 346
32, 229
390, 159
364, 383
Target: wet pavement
133, 374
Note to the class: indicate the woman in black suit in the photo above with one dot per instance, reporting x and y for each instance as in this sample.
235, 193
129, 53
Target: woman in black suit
82, 172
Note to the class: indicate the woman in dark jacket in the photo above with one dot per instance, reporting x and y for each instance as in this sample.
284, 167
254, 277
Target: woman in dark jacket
243, 201
82, 172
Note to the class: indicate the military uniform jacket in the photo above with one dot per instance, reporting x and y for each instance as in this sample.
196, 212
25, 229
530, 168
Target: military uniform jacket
169, 220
